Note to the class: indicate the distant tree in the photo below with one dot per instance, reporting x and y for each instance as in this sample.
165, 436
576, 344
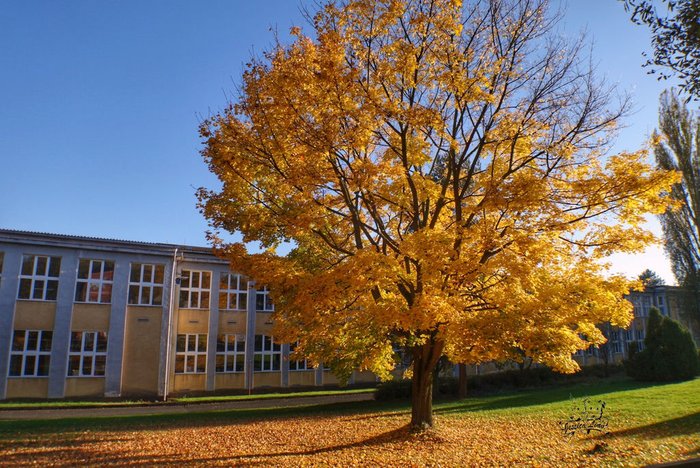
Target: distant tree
650, 279
669, 352
675, 39
678, 149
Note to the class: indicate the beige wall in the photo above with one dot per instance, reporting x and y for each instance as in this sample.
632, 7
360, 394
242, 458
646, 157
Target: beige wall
230, 381
141, 350
182, 383
193, 321
263, 323
85, 386
267, 379
302, 378
92, 317
330, 379
27, 388
364, 377
34, 315
232, 322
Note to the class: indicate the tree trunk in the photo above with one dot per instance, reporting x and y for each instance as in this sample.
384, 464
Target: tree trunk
462, 384
425, 359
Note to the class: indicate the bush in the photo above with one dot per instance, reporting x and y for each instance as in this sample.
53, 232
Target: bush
495, 382
669, 352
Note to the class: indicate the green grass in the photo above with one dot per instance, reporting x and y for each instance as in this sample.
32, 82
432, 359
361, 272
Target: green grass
64, 404
265, 396
624, 398
673, 406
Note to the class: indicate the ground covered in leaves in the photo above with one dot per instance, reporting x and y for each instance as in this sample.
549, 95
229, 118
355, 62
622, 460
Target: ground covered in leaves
466, 434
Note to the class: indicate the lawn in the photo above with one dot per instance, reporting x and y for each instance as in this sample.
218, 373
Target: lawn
64, 404
647, 424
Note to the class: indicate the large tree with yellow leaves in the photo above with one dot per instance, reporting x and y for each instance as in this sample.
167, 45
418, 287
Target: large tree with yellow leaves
440, 171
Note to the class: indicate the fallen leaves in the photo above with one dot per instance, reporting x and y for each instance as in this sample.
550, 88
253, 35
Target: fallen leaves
359, 439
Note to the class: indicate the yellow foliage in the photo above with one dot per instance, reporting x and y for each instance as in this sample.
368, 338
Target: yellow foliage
440, 192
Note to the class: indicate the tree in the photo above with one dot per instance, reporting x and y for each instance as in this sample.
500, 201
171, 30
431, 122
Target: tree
678, 149
669, 352
675, 38
650, 279
438, 170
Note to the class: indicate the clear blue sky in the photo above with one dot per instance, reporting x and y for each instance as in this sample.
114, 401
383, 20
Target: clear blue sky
100, 103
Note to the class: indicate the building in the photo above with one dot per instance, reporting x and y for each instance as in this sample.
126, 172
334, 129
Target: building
93, 317
669, 301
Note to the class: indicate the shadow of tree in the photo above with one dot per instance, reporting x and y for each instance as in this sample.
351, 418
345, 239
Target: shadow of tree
537, 397
69, 453
684, 425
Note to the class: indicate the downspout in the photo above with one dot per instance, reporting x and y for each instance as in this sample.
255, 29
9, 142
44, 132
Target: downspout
171, 307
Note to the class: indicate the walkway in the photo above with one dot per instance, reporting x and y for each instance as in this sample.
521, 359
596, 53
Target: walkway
106, 412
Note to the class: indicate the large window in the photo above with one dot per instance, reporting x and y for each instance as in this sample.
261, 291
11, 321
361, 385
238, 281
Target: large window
194, 289
146, 284
230, 353
233, 292
263, 303
297, 364
88, 354
38, 279
191, 354
31, 353
94, 282
267, 355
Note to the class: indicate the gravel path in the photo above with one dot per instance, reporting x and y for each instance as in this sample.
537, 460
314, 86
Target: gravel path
61, 413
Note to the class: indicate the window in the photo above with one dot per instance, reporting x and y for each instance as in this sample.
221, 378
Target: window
660, 300
38, 279
191, 354
146, 284
88, 354
94, 282
629, 335
297, 365
2, 257
230, 353
31, 353
263, 303
194, 289
233, 292
267, 355
616, 347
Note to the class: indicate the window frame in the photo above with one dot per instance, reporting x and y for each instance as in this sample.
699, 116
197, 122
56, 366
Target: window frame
101, 282
298, 365
195, 353
46, 278
94, 354
198, 292
37, 353
268, 356
153, 285
230, 353
227, 292
268, 306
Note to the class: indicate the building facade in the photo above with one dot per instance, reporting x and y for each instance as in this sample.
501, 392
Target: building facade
96, 317
669, 301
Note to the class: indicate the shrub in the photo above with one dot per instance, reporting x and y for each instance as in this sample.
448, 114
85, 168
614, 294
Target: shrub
669, 352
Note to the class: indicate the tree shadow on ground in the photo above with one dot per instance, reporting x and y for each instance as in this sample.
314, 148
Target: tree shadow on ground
66, 452
536, 397
11, 429
684, 425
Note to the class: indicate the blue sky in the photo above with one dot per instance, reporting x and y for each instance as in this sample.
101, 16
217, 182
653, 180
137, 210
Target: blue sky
100, 103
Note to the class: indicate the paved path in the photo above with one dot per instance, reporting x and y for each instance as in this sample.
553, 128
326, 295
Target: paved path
61, 413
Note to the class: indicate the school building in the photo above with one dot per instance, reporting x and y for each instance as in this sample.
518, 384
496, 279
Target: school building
82, 316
